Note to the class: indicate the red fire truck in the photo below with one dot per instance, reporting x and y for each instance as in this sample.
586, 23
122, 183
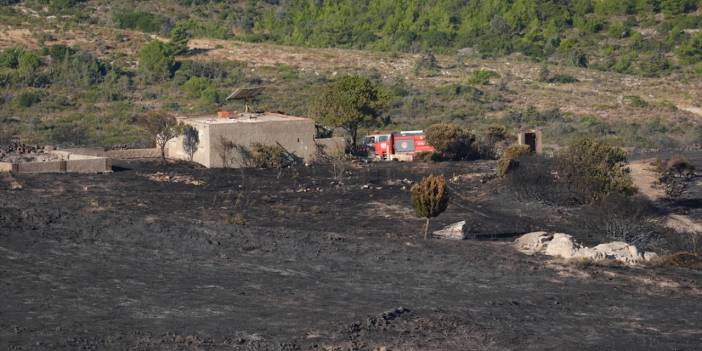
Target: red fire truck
400, 146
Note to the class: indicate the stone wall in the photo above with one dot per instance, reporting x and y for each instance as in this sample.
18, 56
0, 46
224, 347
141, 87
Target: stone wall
68, 162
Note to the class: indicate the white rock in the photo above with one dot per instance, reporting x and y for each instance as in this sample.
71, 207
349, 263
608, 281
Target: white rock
533, 243
454, 231
620, 251
562, 245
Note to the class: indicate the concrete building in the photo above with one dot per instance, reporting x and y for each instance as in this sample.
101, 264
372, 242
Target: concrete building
225, 138
533, 138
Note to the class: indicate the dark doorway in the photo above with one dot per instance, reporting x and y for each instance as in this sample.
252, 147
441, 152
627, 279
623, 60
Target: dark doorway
530, 139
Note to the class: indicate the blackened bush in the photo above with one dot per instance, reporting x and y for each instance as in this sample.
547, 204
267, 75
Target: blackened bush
535, 180
618, 217
267, 156
426, 156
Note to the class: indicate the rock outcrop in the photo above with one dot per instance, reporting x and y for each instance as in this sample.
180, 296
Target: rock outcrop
564, 246
533, 243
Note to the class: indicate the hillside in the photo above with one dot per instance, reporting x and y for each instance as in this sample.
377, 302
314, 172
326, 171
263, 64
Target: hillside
512, 89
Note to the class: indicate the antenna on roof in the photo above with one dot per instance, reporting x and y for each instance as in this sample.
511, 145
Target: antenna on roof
248, 95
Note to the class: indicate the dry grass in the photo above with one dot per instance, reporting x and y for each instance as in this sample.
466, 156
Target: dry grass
596, 93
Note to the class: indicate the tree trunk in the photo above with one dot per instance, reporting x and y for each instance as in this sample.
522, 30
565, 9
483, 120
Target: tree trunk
426, 229
163, 152
354, 133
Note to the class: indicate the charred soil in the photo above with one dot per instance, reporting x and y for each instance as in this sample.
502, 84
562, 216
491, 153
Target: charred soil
163, 257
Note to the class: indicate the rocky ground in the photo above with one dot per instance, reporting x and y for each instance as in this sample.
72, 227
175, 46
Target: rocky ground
163, 257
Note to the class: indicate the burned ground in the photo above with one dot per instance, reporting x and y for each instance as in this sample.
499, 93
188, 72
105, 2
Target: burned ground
176, 257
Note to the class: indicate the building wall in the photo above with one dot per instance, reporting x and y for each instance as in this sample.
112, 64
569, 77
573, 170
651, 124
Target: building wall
296, 136
174, 148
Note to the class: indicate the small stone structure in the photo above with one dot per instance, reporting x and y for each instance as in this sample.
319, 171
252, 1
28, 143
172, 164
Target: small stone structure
224, 139
533, 138
56, 161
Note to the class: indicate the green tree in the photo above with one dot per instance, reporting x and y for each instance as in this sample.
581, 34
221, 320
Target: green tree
350, 102
430, 198
162, 127
156, 61
180, 35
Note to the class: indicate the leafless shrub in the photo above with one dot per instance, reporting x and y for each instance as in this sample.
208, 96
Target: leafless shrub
622, 218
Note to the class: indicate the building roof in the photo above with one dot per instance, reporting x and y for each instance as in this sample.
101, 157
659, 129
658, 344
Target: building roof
241, 117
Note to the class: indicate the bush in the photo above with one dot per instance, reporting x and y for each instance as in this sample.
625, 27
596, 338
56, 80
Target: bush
268, 156
617, 217
195, 86
482, 77
674, 174
451, 141
510, 159
137, 20
563, 79
27, 98
635, 101
594, 170
9, 58
426, 156
156, 61
426, 64
681, 259
429, 198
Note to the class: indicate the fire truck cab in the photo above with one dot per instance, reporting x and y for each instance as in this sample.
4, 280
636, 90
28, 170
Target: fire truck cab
400, 146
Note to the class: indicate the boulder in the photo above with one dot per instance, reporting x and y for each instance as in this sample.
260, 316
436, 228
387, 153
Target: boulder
453, 232
562, 245
533, 243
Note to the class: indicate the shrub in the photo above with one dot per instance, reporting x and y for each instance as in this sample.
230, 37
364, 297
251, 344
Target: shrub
195, 86
451, 141
617, 217
425, 156
674, 174
594, 170
268, 156
682, 259
27, 98
156, 61
690, 52
430, 198
635, 101
138, 20
563, 79
9, 58
426, 64
510, 158
237, 219
482, 77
